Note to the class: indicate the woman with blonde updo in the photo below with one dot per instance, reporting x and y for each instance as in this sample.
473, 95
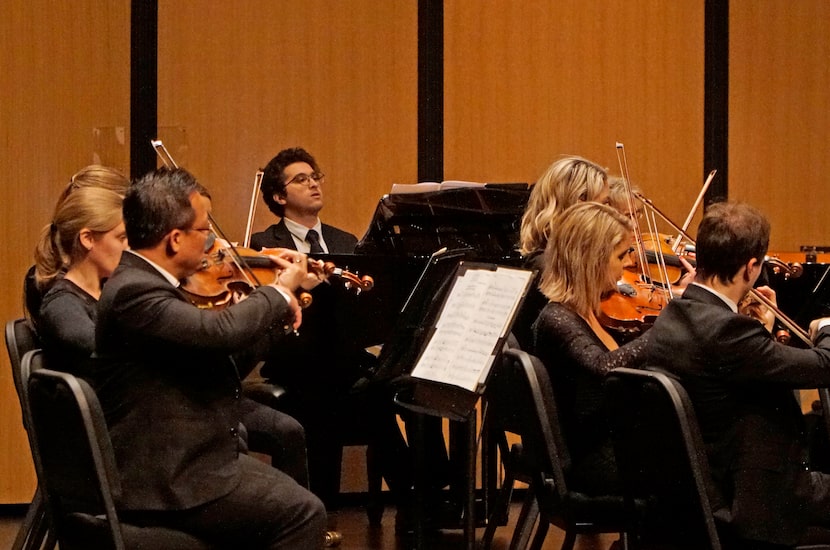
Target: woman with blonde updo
76, 252
566, 182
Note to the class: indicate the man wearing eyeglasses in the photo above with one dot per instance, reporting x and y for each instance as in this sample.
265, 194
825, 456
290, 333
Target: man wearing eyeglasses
292, 187
167, 374
322, 368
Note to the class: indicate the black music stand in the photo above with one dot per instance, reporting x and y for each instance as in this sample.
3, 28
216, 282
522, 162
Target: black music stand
478, 304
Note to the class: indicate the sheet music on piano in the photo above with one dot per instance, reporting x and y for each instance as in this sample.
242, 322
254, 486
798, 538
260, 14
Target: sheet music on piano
476, 316
431, 186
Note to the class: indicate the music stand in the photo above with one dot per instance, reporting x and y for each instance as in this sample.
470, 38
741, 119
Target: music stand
461, 339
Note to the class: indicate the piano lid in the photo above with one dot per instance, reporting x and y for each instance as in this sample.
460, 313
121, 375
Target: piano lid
485, 220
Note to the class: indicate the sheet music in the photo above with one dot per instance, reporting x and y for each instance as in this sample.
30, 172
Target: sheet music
427, 186
475, 316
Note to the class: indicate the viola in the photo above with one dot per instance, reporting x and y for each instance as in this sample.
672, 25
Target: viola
634, 305
228, 275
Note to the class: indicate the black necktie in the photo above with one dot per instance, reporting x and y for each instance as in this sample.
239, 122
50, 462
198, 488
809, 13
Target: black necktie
313, 239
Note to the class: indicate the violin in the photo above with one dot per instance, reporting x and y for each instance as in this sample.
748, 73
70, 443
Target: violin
660, 254
229, 273
632, 308
634, 305
224, 278
663, 264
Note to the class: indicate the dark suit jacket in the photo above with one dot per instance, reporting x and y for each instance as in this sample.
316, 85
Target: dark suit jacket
278, 236
169, 387
323, 360
741, 384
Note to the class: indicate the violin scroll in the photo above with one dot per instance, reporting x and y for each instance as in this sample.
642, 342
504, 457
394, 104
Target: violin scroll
790, 270
351, 280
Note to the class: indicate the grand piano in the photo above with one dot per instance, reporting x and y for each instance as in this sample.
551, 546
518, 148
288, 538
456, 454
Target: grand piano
801, 284
471, 223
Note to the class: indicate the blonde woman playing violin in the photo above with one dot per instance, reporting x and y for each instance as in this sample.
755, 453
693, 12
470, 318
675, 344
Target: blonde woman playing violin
584, 259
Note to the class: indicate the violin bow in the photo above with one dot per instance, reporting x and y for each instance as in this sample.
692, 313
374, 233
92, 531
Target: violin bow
706, 185
252, 209
650, 223
171, 164
780, 315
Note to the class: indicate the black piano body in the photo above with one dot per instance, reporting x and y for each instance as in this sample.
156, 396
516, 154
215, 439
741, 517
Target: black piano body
411, 249
470, 223
803, 292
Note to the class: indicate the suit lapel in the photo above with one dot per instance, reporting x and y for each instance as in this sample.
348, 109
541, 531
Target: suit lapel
282, 236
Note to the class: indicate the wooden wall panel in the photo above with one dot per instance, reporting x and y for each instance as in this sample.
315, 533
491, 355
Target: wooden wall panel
779, 121
245, 80
529, 81
65, 70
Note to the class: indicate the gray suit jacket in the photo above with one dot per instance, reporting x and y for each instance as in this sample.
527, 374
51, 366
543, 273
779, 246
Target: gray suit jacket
169, 388
741, 384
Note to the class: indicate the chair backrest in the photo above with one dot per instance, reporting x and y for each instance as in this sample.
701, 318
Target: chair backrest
20, 338
824, 399
520, 400
73, 453
76, 466
661, 458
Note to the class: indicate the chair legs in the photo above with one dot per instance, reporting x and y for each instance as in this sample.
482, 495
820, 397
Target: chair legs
567, 544
499, 514
525, 522
374, 506
35, 527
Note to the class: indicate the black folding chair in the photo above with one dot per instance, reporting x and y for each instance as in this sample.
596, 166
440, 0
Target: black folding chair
34, 531
662, 461
521, 398
75, 463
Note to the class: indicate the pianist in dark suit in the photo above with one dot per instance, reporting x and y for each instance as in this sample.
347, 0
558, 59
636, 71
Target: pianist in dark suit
322, 368
292, 187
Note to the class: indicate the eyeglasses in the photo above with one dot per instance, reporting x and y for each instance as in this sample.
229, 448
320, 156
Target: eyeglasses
210, 236
306, 179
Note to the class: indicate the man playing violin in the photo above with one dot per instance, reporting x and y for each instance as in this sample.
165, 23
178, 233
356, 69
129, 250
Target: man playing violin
322, 368
168, 377
741, 383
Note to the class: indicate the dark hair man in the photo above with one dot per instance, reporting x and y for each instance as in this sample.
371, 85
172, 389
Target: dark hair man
323, 368
169, 381
292, 187
741, 383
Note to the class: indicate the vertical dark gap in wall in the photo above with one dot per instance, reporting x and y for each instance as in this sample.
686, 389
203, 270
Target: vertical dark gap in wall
143, 85
430, 90
716, 98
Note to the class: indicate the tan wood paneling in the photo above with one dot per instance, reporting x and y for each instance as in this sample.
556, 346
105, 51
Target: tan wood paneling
779, 121
245, 80
242, 81
529, 81
65, 70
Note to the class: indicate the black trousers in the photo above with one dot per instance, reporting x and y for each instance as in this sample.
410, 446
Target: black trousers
278, 435
360, 415
267, 509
